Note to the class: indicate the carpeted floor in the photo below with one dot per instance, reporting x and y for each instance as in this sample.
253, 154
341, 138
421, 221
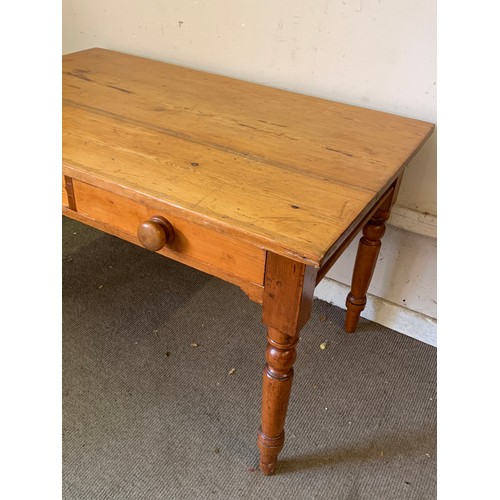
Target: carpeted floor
148, 416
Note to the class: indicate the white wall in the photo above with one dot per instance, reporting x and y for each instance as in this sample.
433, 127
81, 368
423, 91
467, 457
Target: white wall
379, 54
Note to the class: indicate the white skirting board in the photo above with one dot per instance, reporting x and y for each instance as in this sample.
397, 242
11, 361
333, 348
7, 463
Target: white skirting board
403, 288
413, 221
403, 320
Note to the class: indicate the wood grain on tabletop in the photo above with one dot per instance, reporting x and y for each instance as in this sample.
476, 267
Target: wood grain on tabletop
289, 172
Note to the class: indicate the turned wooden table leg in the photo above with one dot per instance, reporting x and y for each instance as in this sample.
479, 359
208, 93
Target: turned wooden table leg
366, 259
276, 387
288, 296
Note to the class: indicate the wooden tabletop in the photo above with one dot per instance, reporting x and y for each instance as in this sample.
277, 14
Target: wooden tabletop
288, 172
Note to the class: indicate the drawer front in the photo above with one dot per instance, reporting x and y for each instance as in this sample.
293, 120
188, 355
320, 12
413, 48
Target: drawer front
194, 244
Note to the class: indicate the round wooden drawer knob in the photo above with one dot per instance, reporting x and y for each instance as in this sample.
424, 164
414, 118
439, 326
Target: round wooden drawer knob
155, 233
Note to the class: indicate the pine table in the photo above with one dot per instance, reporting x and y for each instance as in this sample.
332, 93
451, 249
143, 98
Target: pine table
261, 187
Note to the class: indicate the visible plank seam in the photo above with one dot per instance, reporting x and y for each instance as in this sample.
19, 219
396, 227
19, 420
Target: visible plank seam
154, 200
214, 145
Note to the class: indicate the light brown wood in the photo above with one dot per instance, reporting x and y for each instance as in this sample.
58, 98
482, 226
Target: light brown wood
263, 188
253, 290
65, 201
192, 241
334, 255
155, 233
68, 194
288, 296
290, 173
364, 266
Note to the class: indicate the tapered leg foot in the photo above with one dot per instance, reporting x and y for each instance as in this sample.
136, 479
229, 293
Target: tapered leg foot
354, 307
269, 450
268, 468
276, 388
366, 258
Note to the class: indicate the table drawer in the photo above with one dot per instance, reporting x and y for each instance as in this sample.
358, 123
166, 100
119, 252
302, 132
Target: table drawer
194, 244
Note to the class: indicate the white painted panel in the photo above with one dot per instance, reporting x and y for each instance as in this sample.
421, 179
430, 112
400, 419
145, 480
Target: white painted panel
405, 273
413, 221
403, 320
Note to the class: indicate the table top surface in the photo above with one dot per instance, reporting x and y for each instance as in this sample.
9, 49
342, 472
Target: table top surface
293, 173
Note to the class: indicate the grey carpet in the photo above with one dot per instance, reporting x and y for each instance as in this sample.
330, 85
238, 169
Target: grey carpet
148, 416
